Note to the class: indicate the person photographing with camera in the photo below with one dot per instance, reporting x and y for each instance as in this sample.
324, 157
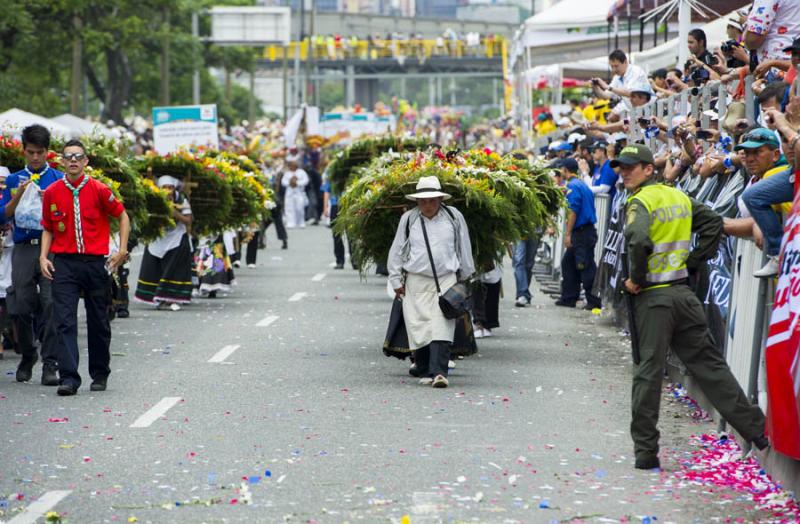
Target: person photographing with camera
75, 218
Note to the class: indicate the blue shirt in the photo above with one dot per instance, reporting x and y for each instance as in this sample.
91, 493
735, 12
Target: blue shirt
333, 198
581, 201
47, 177
605, 175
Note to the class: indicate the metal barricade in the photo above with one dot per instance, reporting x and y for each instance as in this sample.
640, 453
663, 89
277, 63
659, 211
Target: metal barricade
558, 243
746, 316
602, 207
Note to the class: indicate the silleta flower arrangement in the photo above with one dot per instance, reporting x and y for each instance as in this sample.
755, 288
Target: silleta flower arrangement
503, 200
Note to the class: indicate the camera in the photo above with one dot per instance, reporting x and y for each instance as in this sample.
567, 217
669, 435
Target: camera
644, 122
727, 47
595, 82
700, 76
704, 134
714, 61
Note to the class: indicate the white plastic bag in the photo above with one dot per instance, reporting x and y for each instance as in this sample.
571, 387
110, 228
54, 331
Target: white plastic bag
28, 214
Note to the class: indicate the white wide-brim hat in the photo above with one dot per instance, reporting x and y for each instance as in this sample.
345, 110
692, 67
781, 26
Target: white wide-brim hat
428, 187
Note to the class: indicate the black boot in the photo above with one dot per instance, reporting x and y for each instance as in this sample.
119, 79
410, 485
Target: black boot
49, 375
25, 369
285, 245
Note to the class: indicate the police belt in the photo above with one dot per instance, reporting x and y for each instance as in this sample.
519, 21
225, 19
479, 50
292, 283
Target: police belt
679, 282
581, 228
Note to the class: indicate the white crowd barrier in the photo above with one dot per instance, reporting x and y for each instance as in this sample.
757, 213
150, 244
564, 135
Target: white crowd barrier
602, 206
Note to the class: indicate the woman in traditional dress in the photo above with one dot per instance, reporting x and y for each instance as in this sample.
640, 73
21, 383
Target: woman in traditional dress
213, 265
430, 231
165, 278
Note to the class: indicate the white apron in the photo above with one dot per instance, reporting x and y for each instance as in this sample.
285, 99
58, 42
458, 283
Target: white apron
424, 319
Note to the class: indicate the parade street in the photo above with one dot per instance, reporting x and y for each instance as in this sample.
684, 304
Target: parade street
276, 404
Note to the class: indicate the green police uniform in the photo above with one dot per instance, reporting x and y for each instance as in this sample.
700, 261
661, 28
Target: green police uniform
660, 222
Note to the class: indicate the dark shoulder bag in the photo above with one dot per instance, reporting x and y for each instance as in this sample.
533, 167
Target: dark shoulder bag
455, 301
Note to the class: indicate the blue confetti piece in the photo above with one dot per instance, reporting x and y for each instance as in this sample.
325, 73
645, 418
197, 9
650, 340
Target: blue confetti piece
544, 504
600, 473
255, 479
212, 478
268, 473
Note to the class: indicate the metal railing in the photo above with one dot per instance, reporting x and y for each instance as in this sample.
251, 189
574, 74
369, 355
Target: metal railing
359, 49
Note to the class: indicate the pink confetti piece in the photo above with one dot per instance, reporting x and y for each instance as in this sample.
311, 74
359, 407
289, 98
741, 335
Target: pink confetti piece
58, 420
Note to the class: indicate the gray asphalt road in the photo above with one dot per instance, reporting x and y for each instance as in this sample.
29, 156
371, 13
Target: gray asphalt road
303, 419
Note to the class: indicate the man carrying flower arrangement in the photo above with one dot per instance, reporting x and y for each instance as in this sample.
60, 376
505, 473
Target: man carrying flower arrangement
431, 249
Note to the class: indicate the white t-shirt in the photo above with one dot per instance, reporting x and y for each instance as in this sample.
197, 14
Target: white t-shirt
634, 77
780, 21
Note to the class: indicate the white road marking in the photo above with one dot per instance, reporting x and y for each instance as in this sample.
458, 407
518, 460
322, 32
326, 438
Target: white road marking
266, 321
154, 413
39, 507
317, 277
223, 353
297, 297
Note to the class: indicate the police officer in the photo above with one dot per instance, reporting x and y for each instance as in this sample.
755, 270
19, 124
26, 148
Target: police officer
580, 237
660, 222
29, 300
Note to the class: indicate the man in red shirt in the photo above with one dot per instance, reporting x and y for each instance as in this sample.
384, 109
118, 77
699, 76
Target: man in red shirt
75, 217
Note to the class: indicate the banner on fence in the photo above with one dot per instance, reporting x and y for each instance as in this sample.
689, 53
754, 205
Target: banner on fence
783, 346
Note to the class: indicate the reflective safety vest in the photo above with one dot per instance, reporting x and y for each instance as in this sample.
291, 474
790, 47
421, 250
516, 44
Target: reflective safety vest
670, 230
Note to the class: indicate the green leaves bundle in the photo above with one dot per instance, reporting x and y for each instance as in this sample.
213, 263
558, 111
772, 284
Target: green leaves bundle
503, 201
362, 152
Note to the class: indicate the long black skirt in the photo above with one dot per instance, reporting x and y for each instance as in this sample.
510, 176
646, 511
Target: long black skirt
167, 279
396, 342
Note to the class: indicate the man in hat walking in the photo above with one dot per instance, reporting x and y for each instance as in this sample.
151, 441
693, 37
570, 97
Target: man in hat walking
660, 222
431, 243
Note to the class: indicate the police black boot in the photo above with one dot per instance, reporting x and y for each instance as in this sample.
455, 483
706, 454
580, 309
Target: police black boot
647, 463
122, 312
49, 375
285, 245
25, 369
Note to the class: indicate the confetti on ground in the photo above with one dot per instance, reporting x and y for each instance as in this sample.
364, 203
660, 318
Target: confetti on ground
719, 462
679, 394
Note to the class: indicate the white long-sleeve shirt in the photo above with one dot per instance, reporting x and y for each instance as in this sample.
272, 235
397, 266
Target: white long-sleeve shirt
302, 181
411, 255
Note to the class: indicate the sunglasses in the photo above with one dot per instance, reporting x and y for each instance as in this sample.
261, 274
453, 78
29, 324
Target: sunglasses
73, 156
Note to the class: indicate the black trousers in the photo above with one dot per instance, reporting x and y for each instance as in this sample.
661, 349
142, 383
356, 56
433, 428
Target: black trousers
433, 359
486, 304
338, 241
578, 267
252, 248
30, 303
87, 274
277, 219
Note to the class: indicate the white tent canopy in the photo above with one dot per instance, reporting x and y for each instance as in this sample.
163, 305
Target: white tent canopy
80, 127
570, 14
571, 30
14, 120
662, 56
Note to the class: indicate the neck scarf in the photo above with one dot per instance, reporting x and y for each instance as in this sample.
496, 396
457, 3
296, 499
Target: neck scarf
76, 210
34, 176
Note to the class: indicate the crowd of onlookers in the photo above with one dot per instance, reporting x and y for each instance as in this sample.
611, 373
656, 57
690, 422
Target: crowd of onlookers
741, 165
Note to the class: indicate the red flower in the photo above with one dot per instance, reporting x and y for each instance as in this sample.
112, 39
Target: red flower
438, 153
487, 151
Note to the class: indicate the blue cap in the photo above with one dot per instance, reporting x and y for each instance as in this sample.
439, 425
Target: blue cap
570, 164
758, 137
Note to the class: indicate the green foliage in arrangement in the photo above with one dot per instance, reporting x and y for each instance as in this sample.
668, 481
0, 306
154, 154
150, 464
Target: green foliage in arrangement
503, 200
362, 152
